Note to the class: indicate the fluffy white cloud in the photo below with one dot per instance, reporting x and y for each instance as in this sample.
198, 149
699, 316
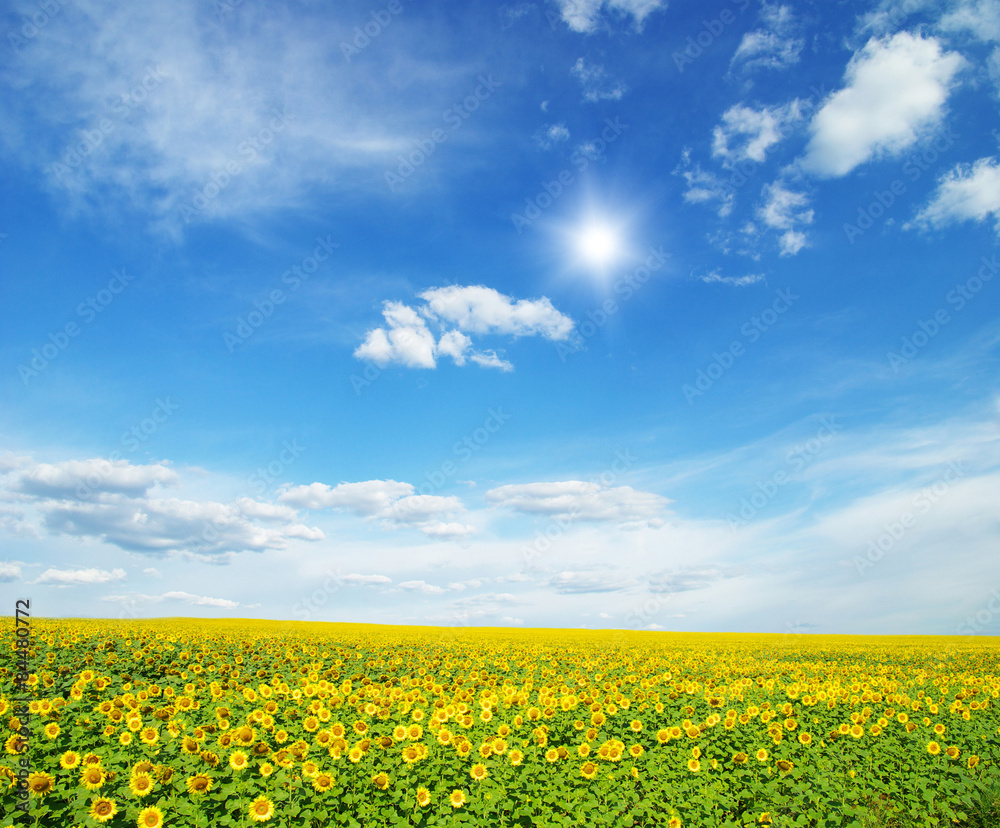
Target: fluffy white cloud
368, 498
481, 310
896, 89
9, 572
111, 502
80, 576
580, 500
747, 133
87, 478
390, 501
407, 340
686, 580
584, 15
421, 586
597, 84
782, 210
968, 192
474, 309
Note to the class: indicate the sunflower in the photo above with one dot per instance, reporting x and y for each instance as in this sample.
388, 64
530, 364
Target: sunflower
92, 777
381, 780
141, 784
952, 752
261, 809
784, 765
266, 769
663, 736
149, 736
16, 744
69, 760
150, 818
199, 783
238, 760
805, 738
125, 739
457, 798
423, 797
972, 761
636, 751
933, 748
516, 757
40, 784
939, 729
322, 782
551, 755
694, 765
857, 731
103, 809
478, 772
740, 758
761, 755
51, 730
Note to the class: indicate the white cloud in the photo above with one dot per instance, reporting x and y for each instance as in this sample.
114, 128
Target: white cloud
185, 597
597, 84
980, 18
481, 310
895, 90
584, 15
471, 309
394, 503
421, 586
407, 341
782, 210
152, 572
550, 135
772, 47
579, 500
579, 582
968, 192
80, 576
111, 502
87, 478
366, 580
216, 87
368, 498
791, 242
737, 281
705, 187
686, 580
752, 131
9, 572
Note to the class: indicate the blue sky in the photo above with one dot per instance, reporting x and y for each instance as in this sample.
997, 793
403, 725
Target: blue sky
574, 313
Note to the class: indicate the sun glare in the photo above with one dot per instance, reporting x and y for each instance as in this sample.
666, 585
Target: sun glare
598, 243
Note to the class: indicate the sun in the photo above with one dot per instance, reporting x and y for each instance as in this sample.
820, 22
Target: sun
598, 243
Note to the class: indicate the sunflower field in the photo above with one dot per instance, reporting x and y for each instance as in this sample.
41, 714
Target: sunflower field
178, 722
